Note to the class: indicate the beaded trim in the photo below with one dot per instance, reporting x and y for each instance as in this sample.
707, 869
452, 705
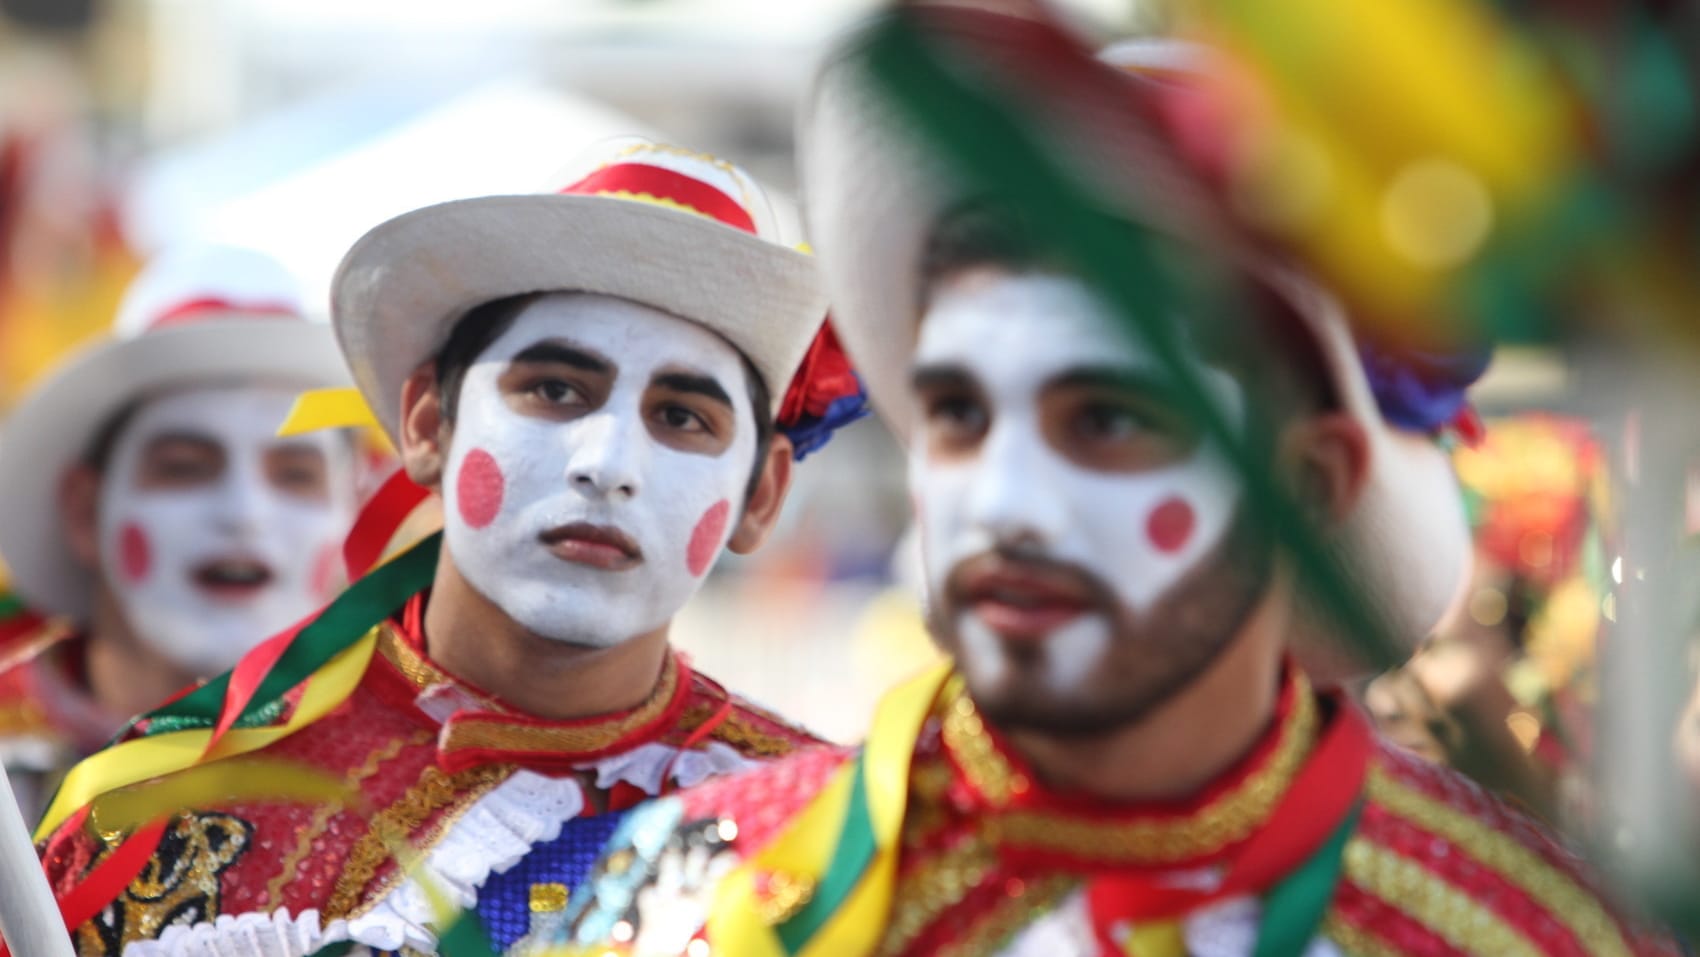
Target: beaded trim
1229, 819
1561, 897
1357, 941
933, 887
1447, 910
1015, 911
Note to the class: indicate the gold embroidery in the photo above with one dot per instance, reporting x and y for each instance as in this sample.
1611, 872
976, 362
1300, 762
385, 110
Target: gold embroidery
415, 667
965, 735
1356, 941
996, 927
180, 883
780, 895
933, 887
323, 814
1226, 821
1447, 911
548, 898
395, 824
593, 735
1562, 898
740, 733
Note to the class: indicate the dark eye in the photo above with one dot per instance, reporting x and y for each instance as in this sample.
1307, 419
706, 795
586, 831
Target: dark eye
556, 391
1109, 422
956, 413
681, 419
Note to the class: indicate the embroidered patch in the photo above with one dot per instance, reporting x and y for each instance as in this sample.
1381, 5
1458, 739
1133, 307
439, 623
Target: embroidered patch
180, 884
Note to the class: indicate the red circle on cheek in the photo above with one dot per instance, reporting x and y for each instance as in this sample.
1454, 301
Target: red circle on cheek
324, 575
705, 538
135, 555
1170, 525
478, 488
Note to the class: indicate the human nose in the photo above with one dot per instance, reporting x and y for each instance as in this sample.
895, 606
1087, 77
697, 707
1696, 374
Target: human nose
606, 460
1008, 497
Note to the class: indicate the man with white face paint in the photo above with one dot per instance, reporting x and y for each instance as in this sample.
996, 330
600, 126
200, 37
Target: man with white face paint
606, 386
147, 503
1121, 759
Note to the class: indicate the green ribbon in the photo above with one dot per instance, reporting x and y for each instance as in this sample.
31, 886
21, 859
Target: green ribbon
1294, 908
855, 850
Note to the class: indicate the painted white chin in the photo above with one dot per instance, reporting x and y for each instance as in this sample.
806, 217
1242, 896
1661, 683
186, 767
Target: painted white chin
1064, 659
207, 637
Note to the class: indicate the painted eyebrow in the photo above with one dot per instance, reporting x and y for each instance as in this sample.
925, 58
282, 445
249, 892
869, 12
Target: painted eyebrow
1119, 378
565, 355
940, 376
185, 436
702, 385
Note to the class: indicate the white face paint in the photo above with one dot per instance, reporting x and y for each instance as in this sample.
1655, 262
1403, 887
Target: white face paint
214, 533
529, 495
1138, 532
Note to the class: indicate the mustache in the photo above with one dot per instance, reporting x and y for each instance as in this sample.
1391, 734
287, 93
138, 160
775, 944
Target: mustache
1022, 561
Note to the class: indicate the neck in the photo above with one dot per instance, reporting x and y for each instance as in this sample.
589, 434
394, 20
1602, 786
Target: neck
125, 675
1187, 741
471, 638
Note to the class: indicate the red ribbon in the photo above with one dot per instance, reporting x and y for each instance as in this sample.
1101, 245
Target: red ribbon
102, 885
195, 309
378, 522
661, 183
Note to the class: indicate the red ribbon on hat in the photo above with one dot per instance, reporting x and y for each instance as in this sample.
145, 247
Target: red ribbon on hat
193, 309
642, 179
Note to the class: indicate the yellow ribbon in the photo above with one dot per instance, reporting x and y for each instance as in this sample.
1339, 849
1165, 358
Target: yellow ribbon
316, 409
267, 779
737, 923
146, 758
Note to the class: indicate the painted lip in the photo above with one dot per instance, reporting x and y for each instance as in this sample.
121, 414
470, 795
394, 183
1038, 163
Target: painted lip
232, 579
599, 546
1022, 600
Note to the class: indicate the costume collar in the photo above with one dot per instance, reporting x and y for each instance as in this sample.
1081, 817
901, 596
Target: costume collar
477, 728
1021, 817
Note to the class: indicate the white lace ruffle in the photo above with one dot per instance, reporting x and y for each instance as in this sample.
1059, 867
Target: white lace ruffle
249, 935
643, 766
492, 836
500, 828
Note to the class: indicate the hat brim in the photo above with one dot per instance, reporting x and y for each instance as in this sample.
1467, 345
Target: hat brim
874, 192
52, 428
401, 288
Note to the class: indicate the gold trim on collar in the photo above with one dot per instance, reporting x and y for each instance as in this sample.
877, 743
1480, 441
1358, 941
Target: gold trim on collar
1227, 820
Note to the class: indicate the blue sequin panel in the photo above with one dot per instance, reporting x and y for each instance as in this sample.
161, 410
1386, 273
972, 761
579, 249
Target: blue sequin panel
504, 902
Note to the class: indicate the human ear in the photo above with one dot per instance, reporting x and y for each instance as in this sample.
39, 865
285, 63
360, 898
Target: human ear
761, 512
1328, 456
424, 433
79, 512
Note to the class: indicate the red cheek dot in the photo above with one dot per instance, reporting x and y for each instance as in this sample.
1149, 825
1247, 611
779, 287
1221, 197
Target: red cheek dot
478, 488
324, 578
135, 555
705, 538
1170, 525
